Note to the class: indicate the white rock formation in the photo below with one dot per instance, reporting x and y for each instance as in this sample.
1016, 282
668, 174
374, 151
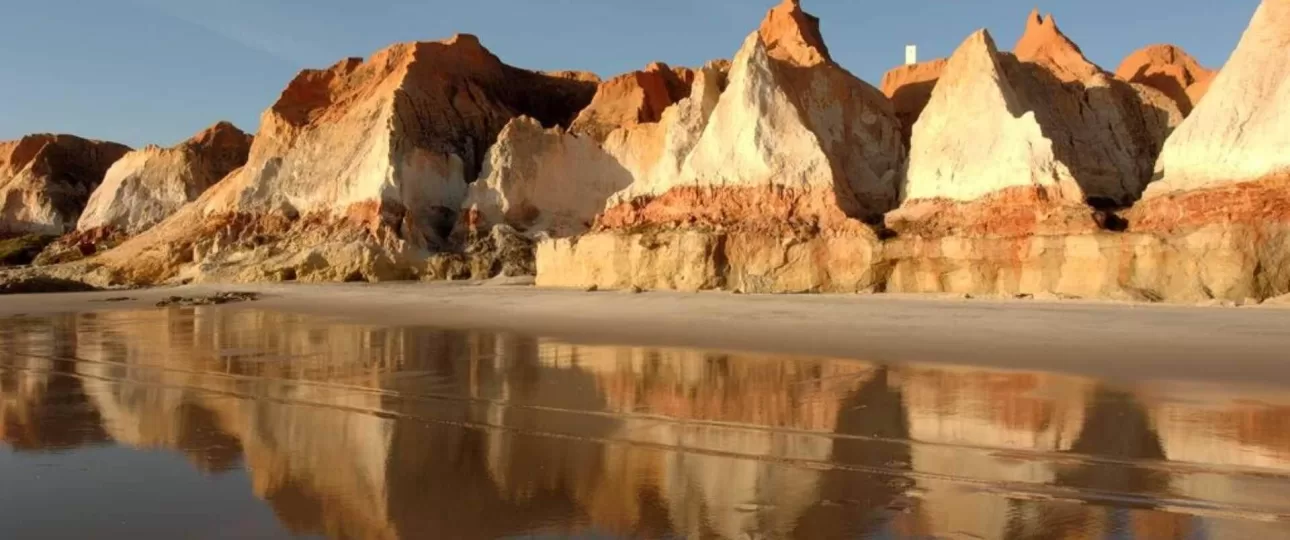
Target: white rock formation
148, 185
1240, 132
547, 180
45, 181
792, 135
655, 153
357, 172
975, 139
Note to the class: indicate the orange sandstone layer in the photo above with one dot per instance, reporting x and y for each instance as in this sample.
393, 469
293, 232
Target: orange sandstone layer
769, 208
1012, 212
1262, 203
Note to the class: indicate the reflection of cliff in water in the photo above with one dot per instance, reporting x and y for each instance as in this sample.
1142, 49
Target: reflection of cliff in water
41, 406
370, 432
356, 431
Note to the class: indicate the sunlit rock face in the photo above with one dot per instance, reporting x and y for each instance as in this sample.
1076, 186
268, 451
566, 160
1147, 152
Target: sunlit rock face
46, 180
1016, 144
1238, 133
358, 170
1171, 70
633, 99
543, 180
146, 186
1222, 188
789, 147
555, 181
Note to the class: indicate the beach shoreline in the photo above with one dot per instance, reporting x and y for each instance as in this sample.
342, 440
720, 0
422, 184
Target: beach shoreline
1127, 342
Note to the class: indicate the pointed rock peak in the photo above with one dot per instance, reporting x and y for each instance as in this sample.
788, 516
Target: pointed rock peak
221, 134
20, 153
1044, 43
657, 67
979, 44
464, 40
1160, 56
793, 35
973, 70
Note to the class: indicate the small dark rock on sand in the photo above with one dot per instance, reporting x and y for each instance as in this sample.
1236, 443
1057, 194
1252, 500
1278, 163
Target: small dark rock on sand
213, 300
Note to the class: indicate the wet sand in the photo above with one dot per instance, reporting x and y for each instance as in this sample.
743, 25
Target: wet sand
243, 421
1118, 341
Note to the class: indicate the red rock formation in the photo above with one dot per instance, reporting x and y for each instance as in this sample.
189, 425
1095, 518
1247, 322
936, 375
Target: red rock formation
1044, 44
1107, 132
639, 97
1171, 70
830, 150
45, 180
910, 88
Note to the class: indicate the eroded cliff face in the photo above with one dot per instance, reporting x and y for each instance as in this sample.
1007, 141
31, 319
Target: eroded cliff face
1171, 70
792, 133
785, 155
358, 170
631, 99
543, 180
146, 186
1238, 133
45, 181
1222, 186
1016, 167
1025, 143
989, 173
910, 88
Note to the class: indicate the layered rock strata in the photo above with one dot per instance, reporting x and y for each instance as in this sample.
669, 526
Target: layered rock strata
790, 154
1211, 226
45, 181
358, 170
1014, 145
148, 185
1222, 188
998, 201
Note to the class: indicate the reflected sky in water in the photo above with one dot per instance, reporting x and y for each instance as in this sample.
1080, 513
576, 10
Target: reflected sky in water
233, 423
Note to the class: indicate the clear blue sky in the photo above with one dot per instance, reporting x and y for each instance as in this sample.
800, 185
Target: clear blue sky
157, 71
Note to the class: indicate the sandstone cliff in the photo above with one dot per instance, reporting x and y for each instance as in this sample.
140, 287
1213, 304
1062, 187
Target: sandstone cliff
45, 181
978, 150
543, 180
1104, 130
639, 97
910, 88
148, 185
358, 170
791, 144
1034, 136
1171, 70
555, 181
1239, 133
792, 133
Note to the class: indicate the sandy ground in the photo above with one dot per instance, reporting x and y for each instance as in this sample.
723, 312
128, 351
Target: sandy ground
1115, 341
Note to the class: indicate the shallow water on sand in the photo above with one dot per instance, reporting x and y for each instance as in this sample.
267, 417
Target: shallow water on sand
233, 422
